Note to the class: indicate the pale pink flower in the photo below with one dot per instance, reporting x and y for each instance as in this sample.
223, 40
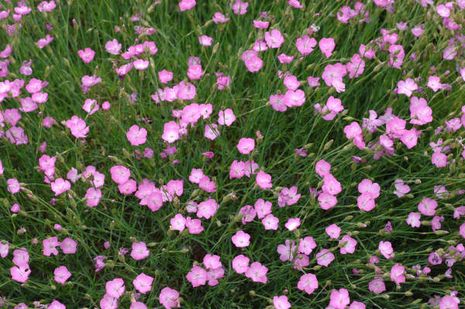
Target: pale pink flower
241, 239
115, 288
308, 283
143, 283
86, 55
327, 46
61, 274
169, 298
136, 135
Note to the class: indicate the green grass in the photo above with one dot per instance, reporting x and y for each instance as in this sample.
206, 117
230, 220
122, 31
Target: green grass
81, 23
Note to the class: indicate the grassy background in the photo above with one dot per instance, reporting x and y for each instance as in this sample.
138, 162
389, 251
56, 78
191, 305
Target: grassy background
82, 23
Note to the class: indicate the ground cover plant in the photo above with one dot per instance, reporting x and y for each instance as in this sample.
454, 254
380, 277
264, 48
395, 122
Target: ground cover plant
232, 154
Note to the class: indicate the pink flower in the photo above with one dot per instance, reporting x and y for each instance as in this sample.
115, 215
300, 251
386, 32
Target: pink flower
194, 226
356, 66
78, 127
462, 230
434, 83
347, 245
165, 76
294, 98
331, 185
68, 246
55, 304
207, 209
120, 174
211, 131
274, 38
385, 247
178, 223
281, 302
60, 186
326, 201
197, 276
128, 188
292, 224
169, 298
397, 274
143, 283
86, 55
305, 45
308, 283
241, 239
420, 112
427, 207
115, 288
240, 264
270, 222
219, 18
257, 272
205, 40
13, 185
113, 47
377, 286
252, 61
449, 302
413, 219
262, 208
20, 257
333, 76
263, 180
4, 248
239, 7
287, 250
20, 273
186, 5
439, 159
171, 132
226, 117
108, 302
246, 145
49, 246
339, 299
366, 186
136, 135
406, 87
139, 251
327, 46
61, 274
333, 231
